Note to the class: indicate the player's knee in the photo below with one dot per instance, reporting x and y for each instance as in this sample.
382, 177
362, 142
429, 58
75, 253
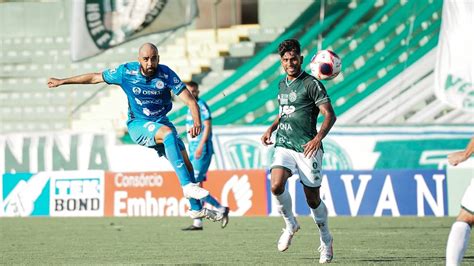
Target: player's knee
162, 133
277, 189
465, 216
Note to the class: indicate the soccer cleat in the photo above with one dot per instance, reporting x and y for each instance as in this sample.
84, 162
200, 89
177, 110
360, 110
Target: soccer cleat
192, 228
202, 213
285, 239
326, 252
193, 190
225, 217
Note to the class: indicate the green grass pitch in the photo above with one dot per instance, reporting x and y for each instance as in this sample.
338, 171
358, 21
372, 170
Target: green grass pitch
357, 241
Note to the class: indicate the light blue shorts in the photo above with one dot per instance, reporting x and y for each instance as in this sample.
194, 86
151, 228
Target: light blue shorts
143, 132
201, 165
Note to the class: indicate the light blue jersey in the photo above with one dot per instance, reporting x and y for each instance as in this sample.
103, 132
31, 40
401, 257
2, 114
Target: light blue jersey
200, 165
149, 98
205, 115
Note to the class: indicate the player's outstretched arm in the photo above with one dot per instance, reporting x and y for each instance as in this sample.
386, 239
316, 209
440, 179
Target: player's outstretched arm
90, 78
189, 100
460, 156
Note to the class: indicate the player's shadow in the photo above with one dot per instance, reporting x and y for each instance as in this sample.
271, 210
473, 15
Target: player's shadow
392, 259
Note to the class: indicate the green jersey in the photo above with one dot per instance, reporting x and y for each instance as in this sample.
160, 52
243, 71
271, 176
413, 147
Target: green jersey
299, 100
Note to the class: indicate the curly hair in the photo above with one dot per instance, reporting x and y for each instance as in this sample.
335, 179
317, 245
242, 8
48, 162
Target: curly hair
288, 46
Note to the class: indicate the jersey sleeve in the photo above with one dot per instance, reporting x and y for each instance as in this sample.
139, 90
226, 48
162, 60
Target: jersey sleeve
113, 75
175, 83
205, 112
317, 92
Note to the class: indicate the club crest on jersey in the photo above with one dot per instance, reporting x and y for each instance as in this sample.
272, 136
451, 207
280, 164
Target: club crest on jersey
292, 97
151, 127
159, 84
136, 90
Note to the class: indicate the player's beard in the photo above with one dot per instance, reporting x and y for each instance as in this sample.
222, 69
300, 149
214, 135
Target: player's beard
148, 71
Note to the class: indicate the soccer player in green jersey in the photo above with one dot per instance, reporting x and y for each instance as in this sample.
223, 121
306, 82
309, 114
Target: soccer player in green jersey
298, 147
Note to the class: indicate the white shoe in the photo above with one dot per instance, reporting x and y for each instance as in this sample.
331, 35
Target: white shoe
206, 213
326, 252
225, 217
198, 214
285, 239
193, 190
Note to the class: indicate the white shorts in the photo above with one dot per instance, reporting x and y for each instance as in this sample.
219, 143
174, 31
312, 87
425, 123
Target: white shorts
467, 201
308, 169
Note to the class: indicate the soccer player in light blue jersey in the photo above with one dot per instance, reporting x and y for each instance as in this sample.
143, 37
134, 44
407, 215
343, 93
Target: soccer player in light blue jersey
148, 86
200, 147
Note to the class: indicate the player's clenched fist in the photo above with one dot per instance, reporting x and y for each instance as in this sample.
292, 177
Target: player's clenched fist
266, 138
53, 82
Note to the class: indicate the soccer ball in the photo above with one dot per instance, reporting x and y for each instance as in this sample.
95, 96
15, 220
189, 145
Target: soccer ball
325, 65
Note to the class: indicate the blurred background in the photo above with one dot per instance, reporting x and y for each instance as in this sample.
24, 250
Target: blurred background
403, 99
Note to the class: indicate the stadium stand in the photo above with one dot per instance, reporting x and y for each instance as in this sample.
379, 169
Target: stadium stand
28, 56
388, 50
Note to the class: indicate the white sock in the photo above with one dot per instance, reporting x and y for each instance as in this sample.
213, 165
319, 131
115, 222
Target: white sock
197, 222
457, 242
320, 217
285, 208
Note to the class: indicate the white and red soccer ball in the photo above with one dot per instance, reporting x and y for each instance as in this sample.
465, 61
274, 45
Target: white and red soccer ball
325, 65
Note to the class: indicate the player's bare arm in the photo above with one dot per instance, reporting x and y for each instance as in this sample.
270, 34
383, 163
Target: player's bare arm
460, 156
190, 101
90, 78
268, 133
205, 136
329, 119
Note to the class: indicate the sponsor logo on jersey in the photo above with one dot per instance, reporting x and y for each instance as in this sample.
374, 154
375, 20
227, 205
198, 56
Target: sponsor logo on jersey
132, 72
151, 92
142, 102
285, 126
146, 111
136, 90
287, 110
283, 99
176, 80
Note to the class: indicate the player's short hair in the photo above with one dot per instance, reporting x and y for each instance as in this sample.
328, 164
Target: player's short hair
192, 84
288, 46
